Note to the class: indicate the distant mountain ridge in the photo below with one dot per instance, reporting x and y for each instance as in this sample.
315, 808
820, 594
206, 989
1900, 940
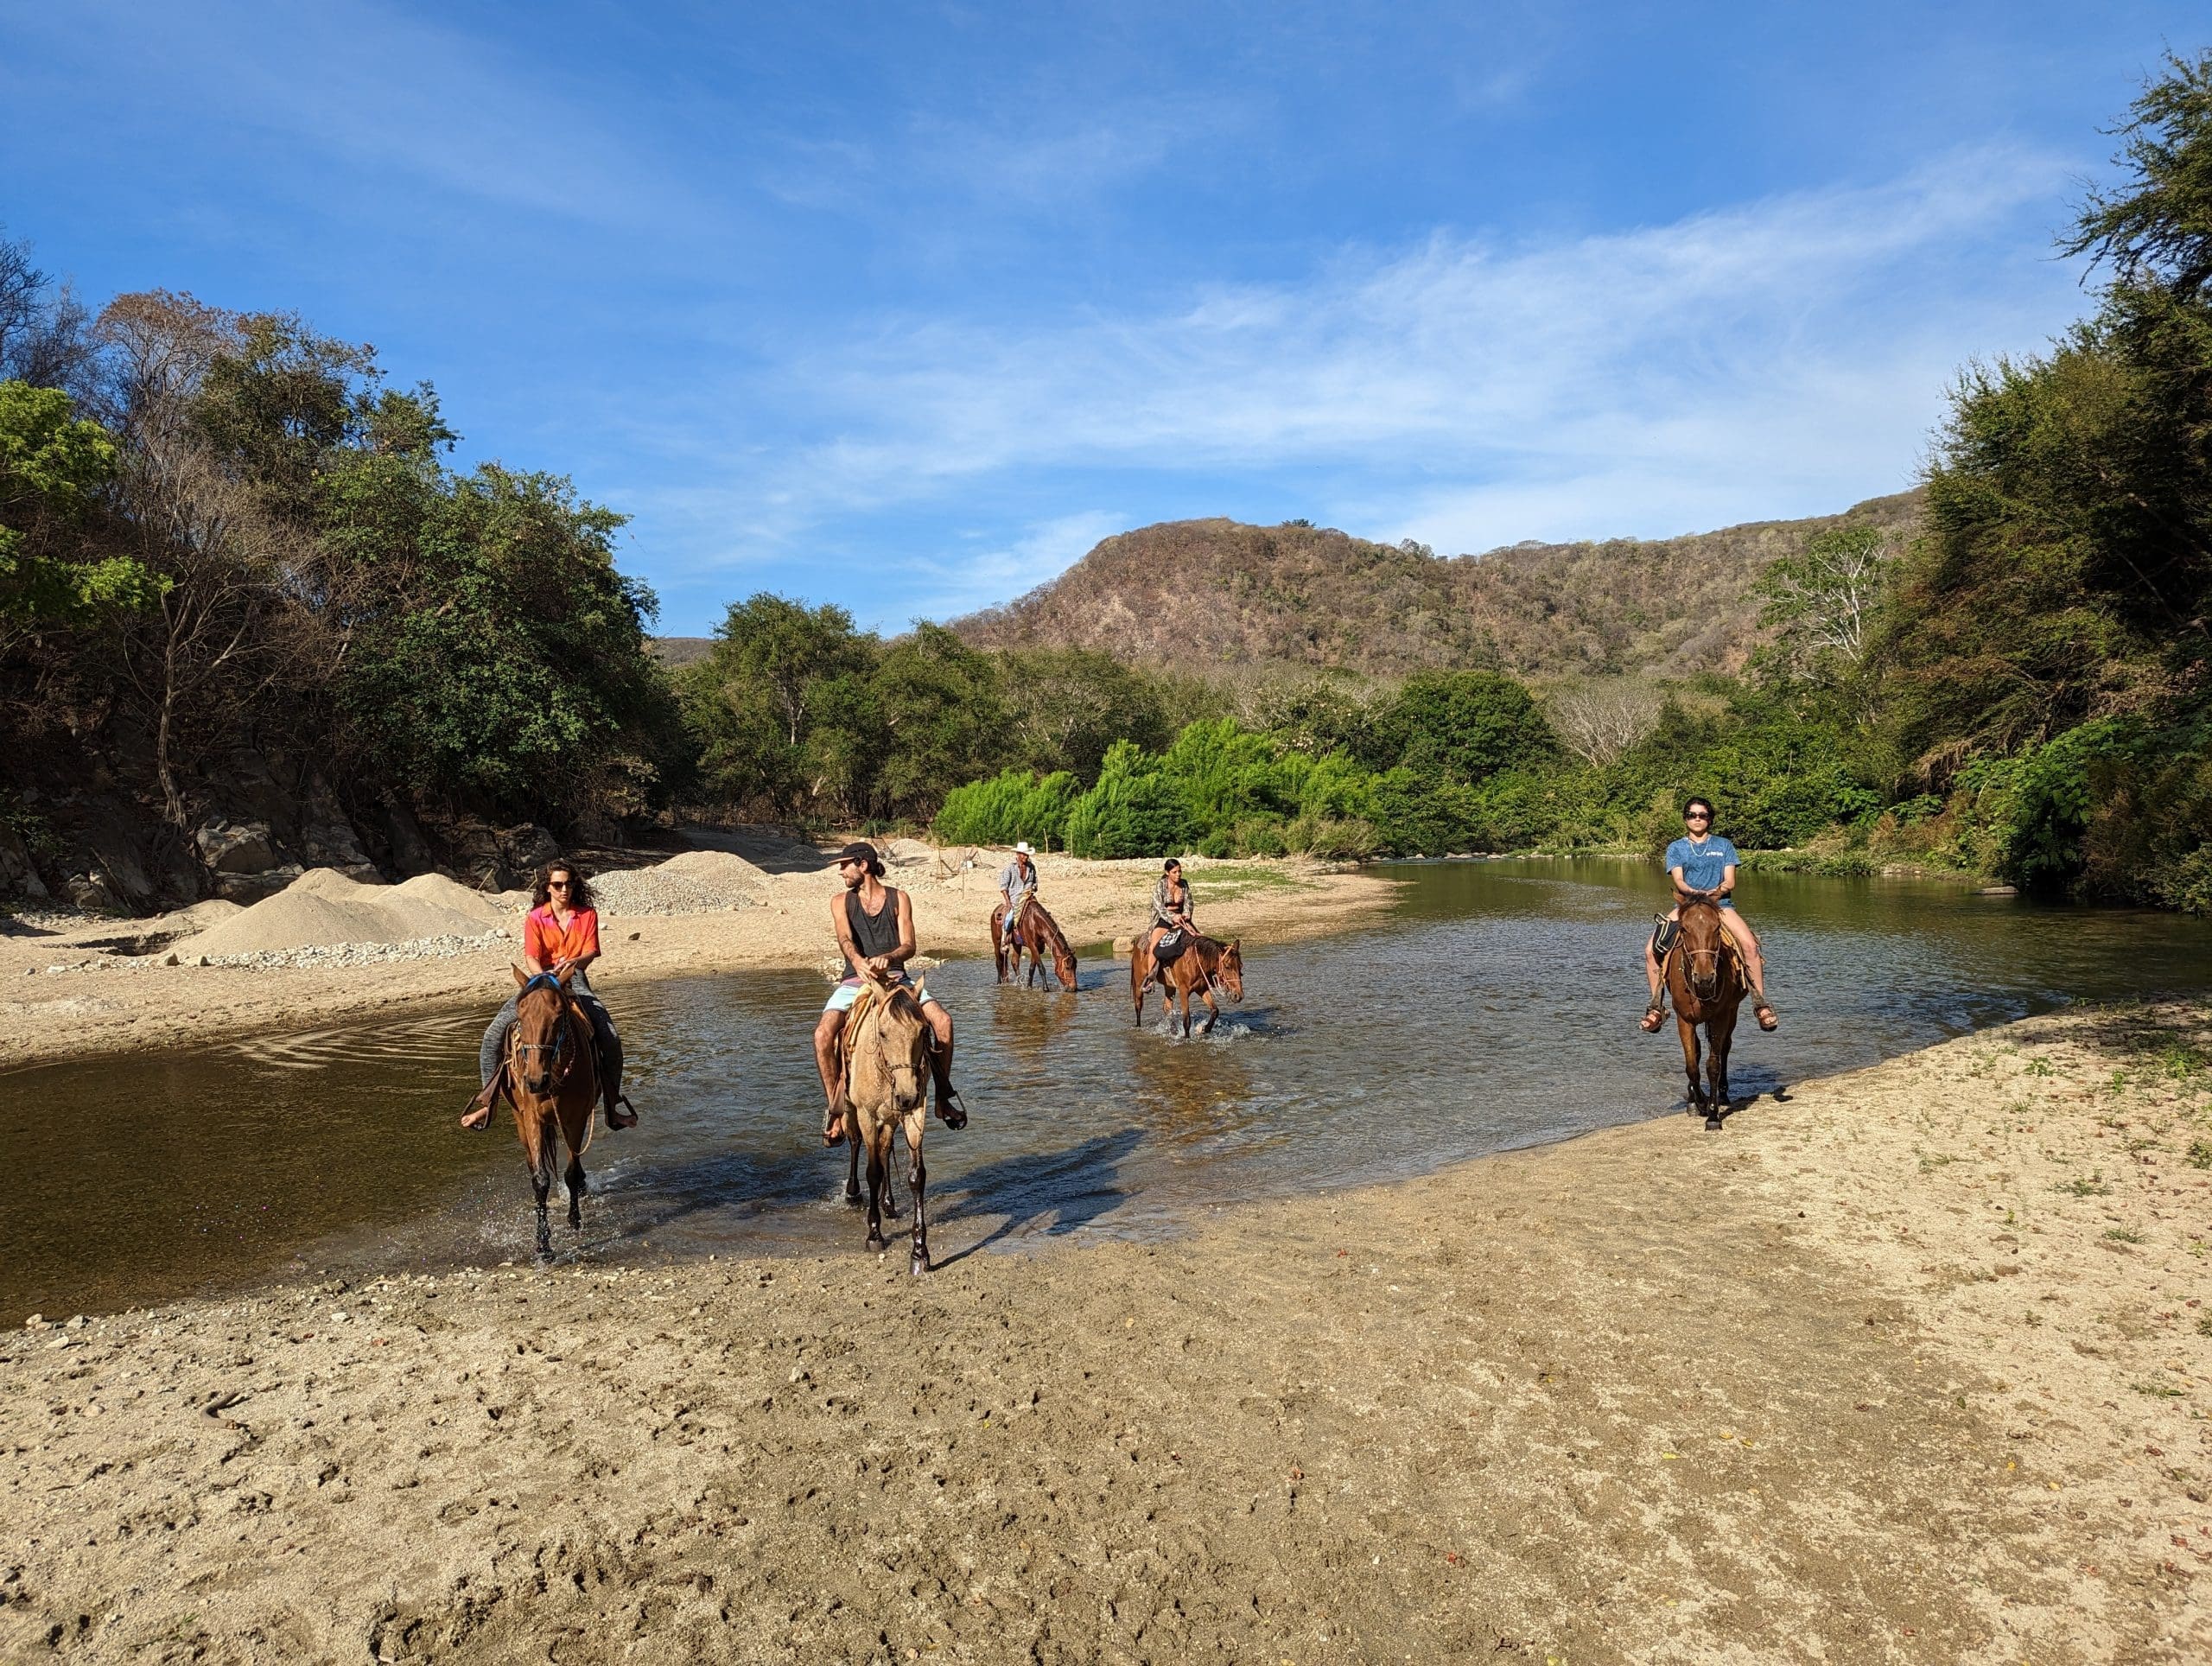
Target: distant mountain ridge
1208, 593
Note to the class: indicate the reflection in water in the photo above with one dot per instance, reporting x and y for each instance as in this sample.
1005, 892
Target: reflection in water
1499, 1003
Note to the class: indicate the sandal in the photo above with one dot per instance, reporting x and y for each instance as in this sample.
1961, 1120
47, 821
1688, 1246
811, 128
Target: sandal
1764, 1013
833, 1125
626, 1117
950, 1110
1654, 1016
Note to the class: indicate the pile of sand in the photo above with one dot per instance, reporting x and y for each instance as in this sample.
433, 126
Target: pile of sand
697, 882
323, 907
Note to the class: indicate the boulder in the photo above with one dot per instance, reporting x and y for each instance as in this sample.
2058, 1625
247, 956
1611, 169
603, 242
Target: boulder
411, 851
236, 848
529, 847
18, 873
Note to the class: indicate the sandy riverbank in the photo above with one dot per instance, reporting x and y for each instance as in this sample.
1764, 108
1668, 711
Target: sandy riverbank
93, 1003
1910, 1366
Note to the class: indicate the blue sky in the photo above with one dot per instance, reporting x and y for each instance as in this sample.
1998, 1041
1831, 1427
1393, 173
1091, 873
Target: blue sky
904, 306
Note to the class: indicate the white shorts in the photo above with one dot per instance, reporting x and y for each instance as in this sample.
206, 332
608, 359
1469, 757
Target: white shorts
841, 998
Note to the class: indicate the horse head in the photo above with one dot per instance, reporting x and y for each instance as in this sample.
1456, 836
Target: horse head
1229, 969
892, 1066
1704, 940
542, 1040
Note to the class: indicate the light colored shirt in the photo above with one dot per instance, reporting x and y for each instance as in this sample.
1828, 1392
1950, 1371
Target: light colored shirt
1017, 882
1704, 866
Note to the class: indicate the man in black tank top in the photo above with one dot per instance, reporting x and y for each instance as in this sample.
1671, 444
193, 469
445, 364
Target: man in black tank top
875, 925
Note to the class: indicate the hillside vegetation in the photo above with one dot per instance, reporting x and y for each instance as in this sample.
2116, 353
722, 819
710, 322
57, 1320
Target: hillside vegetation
1224, 593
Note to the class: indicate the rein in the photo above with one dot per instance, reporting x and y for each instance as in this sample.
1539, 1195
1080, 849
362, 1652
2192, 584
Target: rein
563, 1062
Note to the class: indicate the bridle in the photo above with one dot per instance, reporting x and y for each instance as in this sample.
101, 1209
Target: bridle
1724, 946
878, 1011
564, 1061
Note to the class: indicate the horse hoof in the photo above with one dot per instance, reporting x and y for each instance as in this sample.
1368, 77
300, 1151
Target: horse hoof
1712, 1122
853, 1200
878, 1243
920, 1265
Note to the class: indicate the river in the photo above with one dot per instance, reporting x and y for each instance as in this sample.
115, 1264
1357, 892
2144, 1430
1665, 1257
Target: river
1494, 1008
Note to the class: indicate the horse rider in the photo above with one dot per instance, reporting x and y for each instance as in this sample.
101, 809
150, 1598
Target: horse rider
874, 922
1017, 884
1702, 865
1172, 928
559, 934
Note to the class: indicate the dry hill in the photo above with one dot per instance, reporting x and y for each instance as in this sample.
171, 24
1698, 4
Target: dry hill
1219, 592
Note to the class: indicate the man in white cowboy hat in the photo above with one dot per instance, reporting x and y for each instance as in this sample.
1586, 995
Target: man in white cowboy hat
1017, 884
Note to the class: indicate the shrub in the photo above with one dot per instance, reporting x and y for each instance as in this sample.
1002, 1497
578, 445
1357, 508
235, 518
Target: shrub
1012, 805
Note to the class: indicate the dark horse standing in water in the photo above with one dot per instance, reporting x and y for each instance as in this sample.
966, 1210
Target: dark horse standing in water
1036, 932
1706, 981
1204, 966
552, 1075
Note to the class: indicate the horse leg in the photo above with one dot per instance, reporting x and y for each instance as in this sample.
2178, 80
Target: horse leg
878, 1169
575, 1179
1721, 1032
853, 1172
1138, 983
1688, 1029
1213, 1009
1179, 993
917, 1177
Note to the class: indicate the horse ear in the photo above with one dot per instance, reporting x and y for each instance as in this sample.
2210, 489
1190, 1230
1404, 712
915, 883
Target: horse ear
521, 977
568, 974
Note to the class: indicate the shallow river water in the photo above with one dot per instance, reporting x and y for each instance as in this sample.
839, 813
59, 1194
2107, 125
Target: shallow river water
1495, 1008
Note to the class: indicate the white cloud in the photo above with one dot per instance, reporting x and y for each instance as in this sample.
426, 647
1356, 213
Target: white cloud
1791, 351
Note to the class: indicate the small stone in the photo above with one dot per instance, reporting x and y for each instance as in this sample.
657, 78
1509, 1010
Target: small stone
172, 958
36, 1321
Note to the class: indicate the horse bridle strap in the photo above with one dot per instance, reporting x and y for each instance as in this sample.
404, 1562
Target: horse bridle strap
562, 1061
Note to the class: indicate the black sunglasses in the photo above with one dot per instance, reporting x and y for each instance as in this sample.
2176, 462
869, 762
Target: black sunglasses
559, 884
1698, 816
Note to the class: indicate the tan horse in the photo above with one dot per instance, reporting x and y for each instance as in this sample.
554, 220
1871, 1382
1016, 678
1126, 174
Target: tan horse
886, 1080
1705, 979
1039, 931
1205, 966
552, 1077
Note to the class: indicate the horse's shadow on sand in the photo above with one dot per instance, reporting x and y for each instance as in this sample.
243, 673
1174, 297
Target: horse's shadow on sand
1745, 1088
1054, 1191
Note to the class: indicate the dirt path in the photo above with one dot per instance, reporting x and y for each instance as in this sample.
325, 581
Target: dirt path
59, 999
1908, 1367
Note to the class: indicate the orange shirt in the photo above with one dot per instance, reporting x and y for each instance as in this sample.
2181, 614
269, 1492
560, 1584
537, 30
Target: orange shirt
543, 941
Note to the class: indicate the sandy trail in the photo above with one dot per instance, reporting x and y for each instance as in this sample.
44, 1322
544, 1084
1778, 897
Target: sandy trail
1907, 1367
95, 1005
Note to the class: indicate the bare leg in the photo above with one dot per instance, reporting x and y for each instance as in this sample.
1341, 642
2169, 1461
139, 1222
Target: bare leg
1747, 945
826, 1032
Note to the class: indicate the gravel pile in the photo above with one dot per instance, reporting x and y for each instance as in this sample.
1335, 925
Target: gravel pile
697, 882
446, 947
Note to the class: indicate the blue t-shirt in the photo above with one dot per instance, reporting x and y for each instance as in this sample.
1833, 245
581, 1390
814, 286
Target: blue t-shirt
1702, 865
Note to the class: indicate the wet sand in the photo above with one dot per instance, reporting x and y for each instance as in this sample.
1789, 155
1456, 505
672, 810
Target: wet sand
86, 1010
1907, 1366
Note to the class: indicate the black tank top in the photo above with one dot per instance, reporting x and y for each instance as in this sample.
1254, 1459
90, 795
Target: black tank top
873, 934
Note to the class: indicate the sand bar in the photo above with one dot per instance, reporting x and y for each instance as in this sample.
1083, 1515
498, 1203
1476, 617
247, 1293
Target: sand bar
59, 999
1910, 1367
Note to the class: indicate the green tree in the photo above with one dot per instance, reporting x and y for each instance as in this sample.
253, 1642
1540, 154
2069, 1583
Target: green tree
776, 668
53, 464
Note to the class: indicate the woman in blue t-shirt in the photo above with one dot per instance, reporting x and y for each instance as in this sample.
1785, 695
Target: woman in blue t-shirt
1702, 863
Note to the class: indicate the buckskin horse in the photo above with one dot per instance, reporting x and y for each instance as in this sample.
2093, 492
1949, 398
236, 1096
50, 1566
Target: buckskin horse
1705, 980
552, 1079
886, 1043
1205, 966
1036, 932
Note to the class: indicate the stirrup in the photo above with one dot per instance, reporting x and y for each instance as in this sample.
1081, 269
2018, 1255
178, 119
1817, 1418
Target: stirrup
1654, 1016
615, 1120
950, 1110
476, 1115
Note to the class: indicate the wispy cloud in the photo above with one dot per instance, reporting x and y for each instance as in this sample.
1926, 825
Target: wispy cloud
1462, 391
374, 88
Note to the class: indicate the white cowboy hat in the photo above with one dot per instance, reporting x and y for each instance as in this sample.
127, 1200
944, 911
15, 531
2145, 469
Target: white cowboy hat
1022, 848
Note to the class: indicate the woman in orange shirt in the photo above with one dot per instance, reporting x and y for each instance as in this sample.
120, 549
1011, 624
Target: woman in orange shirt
560, 934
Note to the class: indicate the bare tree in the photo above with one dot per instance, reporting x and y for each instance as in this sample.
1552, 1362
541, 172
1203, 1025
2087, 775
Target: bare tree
1823, 598
1599, 722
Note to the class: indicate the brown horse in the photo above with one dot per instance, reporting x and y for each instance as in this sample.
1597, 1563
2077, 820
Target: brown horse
1205, 966
886, 1080
1706, 981
1039, 931
552, 1077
